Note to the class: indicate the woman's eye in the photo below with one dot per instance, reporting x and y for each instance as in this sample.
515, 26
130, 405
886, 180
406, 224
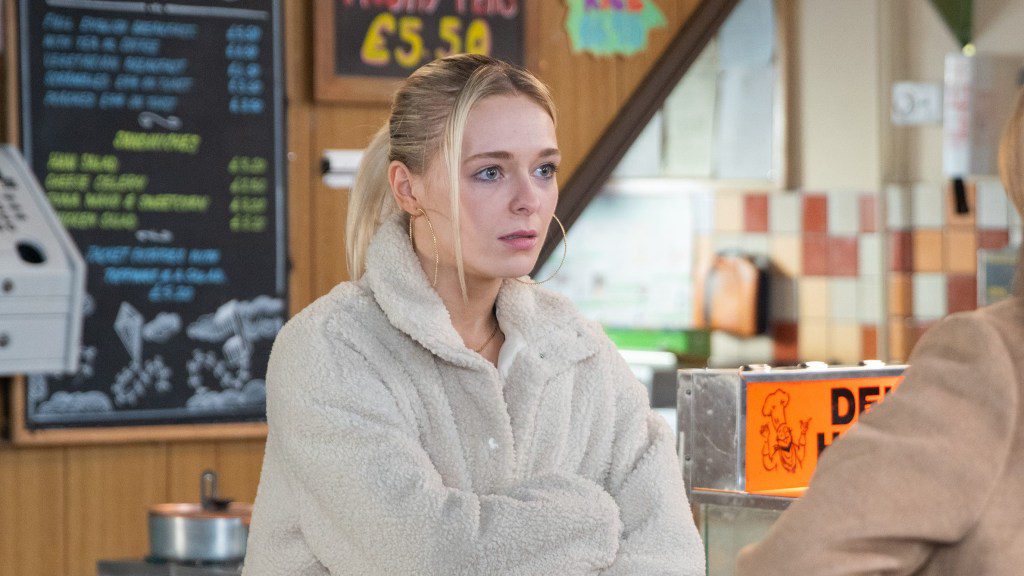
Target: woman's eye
490, 173
547, 170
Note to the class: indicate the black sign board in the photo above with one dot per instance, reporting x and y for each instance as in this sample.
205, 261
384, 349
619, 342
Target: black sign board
156, 129
362, 41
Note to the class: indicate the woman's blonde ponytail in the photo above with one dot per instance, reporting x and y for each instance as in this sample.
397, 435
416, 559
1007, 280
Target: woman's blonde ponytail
370, 202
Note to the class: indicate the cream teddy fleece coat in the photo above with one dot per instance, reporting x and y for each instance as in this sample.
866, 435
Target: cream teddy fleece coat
394, 449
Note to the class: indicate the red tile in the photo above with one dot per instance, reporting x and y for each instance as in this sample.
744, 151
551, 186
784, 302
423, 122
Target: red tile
869, 341
815, 213
901, 251
816, 254
785, 340
961, 292
842, 256
868, 214
755, 213
993, 239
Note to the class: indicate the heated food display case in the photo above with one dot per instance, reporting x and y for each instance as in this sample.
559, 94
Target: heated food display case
749, 440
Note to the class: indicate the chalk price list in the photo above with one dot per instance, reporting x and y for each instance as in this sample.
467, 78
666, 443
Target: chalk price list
245, 74
249, 193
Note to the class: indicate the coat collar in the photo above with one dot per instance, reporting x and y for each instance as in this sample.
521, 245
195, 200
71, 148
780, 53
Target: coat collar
551, 327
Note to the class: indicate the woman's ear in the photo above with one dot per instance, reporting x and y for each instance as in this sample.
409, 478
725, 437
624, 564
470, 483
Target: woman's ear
403, 186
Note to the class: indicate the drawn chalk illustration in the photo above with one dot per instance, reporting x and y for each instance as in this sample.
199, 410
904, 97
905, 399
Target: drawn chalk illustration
149, 119
135, 381
68, 402
780, 448
237, 326
165, 326
254, 393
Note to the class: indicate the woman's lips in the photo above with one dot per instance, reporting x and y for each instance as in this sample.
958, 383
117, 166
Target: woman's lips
520, 242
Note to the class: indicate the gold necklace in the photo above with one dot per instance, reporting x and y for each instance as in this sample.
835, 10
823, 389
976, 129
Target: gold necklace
489, 338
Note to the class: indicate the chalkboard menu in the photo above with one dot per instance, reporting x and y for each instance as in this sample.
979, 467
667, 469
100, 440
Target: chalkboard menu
360, 41
156, 130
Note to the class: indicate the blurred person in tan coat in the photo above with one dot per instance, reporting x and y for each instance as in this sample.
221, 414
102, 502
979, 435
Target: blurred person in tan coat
931, 481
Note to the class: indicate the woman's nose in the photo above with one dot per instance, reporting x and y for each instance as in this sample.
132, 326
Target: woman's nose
527, 196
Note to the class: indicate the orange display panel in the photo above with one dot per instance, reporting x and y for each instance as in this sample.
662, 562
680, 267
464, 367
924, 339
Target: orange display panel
789, 425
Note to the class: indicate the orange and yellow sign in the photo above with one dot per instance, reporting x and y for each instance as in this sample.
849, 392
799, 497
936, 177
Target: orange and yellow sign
789, 425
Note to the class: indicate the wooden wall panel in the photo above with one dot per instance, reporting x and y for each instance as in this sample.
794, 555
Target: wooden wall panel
32, 522
108, 491
590, 90
62, 509
186, 461
238, 466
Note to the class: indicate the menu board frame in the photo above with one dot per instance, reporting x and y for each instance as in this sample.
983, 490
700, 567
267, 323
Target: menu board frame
329, 86
21, 433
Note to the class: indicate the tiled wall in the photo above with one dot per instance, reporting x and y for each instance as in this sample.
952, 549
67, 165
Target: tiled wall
933, 258
825, 250
829, 257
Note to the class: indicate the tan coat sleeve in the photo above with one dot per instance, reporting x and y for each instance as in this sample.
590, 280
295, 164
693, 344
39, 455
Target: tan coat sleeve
360, 476
659, 536
916, 470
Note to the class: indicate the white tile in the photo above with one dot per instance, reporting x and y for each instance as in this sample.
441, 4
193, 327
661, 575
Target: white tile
842, 298
843, 213
756, 244
702, 205
784, 212
929, 295
869, 254
898, 206
869, 299
724, 350
993, 207
724, 241
756, 350
927, 202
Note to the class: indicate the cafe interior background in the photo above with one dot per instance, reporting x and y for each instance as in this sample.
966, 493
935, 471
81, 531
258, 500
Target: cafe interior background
766, 127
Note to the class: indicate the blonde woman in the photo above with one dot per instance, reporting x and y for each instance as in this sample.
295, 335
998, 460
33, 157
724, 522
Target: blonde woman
443, 414
930, 482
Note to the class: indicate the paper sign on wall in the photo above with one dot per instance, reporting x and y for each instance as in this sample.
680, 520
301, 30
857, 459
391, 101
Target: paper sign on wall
609, 27
790, 424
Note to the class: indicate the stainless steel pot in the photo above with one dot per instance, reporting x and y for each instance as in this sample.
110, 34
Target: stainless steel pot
214, 530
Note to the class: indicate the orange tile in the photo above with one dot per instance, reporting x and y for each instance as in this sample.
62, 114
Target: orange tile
961, 250
869, 341
900, 291
954, 219
898, 349
927, 250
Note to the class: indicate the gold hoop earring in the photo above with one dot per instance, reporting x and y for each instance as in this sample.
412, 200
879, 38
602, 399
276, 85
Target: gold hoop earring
433, 238
565, 251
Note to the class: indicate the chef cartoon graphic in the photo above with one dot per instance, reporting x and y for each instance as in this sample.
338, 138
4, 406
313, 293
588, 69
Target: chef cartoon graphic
780, 448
